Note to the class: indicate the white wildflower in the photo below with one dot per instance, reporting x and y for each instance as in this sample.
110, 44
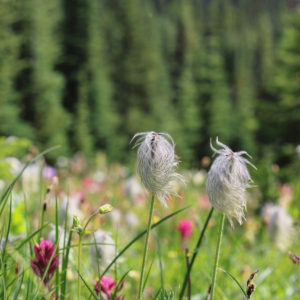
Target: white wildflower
279, 224
131, 220
133, 189
156, 162
61, 236
105, 251
227, 181
70, 205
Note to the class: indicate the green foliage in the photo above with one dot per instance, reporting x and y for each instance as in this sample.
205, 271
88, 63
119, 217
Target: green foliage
10, 120
11, 147
87, 75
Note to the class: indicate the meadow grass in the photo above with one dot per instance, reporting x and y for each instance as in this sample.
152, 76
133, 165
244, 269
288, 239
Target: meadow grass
245, 248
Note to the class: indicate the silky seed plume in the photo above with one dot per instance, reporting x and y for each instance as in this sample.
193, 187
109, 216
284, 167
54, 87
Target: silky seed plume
156, 162
227, 181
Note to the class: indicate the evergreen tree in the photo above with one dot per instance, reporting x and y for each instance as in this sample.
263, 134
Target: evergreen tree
81, 139
214, 89
184, 82
74, 67
103, 118
140, 78
10, 121
287, 81
48, 115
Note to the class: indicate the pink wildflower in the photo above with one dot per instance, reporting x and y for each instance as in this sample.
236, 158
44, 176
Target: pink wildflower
45, 262
108, 286
185, 227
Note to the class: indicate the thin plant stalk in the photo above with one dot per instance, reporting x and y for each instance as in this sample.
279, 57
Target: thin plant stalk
141, 234
79, 267
217, 256
196, 250
79, 253
65, 267
146, 248
57, 284
187, 260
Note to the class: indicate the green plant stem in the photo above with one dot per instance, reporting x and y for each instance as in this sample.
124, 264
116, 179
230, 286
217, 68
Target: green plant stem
196, 250
57, 284
146, 248
186, 250
79, 268
65, 267
217, 256
139, 236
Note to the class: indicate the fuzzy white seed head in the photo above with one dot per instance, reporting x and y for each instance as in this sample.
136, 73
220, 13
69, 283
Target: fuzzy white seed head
227, 181
156, 162
279, 224
104, 249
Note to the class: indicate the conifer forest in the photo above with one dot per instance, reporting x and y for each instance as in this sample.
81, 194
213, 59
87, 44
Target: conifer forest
150, 149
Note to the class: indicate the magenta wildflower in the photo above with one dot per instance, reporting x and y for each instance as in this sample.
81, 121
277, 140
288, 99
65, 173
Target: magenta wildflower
185, 227
45, 262
108, 286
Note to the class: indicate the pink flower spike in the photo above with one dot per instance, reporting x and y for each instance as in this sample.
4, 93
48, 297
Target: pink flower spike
185, 227
107, 285
45, 260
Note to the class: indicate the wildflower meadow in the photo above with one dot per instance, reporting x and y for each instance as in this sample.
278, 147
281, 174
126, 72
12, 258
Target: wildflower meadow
149, 149
74, 232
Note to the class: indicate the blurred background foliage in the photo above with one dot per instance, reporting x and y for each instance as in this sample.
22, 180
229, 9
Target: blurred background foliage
87, 75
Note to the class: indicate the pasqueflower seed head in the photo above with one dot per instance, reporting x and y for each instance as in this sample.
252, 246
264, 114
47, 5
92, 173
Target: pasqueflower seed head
227, 181
156, 162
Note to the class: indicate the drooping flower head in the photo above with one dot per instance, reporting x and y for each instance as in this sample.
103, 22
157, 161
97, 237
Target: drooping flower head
227, 181
45, 262
106, 286
185, 227
156, 162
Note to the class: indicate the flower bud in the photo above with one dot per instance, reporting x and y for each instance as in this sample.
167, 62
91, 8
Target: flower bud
104, 209
76, 225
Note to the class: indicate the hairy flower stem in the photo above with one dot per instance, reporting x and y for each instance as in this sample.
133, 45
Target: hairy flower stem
146, 248
217, 256
79, 267
196, 250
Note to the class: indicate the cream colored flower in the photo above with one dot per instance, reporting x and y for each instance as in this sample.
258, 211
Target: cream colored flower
227, 181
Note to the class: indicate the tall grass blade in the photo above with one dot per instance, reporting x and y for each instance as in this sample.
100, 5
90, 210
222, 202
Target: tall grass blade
160, 260
30, 237
87, 286
65, 267
18, 287
118, 285
12, 184
140, 235
196, 250
147, 276
235, 280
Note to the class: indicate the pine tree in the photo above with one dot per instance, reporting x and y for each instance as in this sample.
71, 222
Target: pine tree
48, 116
74, 66
141, 88
103, 118
184, 82
10, 121
212, 77
287, 80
